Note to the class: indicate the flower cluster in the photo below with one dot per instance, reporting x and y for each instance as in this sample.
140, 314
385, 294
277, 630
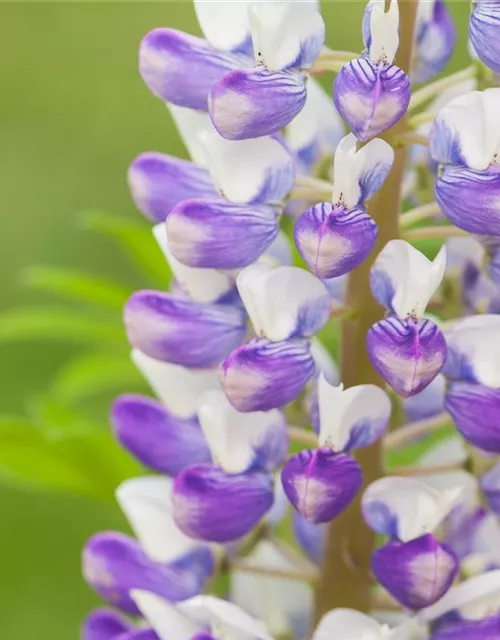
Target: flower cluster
232, 354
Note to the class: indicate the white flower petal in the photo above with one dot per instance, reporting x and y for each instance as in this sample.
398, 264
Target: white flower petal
286, 34
359, 174
147, 504
404, 280
384, 28
356, 416
234, 438
348, 624
224, 24
191, 124
177, 387
474, 349
283, 302
249, 170
284, 605
407, 505
202, 285
166, 620
225, 619
470, 591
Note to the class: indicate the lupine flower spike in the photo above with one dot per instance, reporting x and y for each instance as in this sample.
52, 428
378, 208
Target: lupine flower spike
335, 237
406, 349
371, 93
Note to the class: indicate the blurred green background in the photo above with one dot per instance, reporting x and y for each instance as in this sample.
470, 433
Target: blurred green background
73, 114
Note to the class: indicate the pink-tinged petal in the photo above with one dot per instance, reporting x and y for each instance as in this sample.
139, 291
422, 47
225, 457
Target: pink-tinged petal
104, 624
220, 235
157, 438
334, 241
180, 68
263, 375
159, 182
483, 32
475, 409
416, 573
406, 354
213, 506
371, 98
181, 331
321, 484
113, 564
256, 102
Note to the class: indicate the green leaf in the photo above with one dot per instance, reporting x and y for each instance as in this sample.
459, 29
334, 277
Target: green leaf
94, 373
75, 285
57, 418
411, 454
85, 464
136, 238
59, 324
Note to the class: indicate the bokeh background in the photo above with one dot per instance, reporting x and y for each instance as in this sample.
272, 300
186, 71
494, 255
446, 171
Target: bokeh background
73, 114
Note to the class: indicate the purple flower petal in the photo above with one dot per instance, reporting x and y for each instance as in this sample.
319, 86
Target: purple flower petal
256, 102
263, 375
311, 537
103, 624
483, 32
428, 402
157, 438
487, 629
415, 573
138, 634
435, 44
470, 199
220, 235
159, 182
113, 564
333, 241
321, 484
371, 99
475, 409
180, 68
181, 331
213, 506
406, 354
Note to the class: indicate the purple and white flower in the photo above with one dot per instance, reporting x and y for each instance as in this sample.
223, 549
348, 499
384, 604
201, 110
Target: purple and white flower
335, 237
371, 93
436, 37
483, 32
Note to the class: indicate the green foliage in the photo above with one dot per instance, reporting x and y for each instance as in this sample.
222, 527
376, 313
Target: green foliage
410, 454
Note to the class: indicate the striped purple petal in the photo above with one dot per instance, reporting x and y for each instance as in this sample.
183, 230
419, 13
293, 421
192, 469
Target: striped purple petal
181, 331
220, 235
213, 506
256, 102
114, 564
332, 240
407, 354
159, 182
263, 375
475, 410
371, 98
416, 573
321, 484
435, 43
180, 68
470, 199
157, 438
484, 26
104, 624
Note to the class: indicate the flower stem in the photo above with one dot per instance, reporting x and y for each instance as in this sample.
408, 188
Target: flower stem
343, 578
409, 138
433, 89
427, 471
419, 213
308, 438
446, 231
410, 432
290, 574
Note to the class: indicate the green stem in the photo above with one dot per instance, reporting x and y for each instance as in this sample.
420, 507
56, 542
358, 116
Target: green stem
419, 213
446, 231
344, 579
435, 88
